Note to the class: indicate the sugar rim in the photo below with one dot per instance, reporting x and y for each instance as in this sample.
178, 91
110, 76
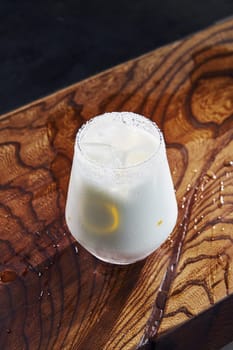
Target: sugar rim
126, 118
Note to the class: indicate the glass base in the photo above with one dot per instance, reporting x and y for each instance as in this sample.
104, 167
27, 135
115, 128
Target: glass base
119, 259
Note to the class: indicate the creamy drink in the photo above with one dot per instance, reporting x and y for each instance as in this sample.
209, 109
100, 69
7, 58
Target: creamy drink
121, 203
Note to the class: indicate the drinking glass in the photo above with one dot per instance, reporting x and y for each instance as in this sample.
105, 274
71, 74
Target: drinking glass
121, 204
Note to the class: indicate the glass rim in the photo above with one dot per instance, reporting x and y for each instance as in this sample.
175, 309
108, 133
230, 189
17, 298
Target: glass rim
120, 116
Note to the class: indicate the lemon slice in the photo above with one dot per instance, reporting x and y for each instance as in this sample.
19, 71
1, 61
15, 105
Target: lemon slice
99, 214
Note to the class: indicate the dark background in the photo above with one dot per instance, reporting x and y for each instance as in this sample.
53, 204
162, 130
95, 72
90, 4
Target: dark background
48, 44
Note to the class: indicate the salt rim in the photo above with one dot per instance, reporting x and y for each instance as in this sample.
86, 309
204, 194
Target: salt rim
126, 118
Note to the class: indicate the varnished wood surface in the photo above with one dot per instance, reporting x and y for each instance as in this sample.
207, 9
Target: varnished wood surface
206, 331
53, 294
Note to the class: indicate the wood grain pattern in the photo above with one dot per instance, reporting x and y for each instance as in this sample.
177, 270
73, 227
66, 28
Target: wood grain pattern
53, 294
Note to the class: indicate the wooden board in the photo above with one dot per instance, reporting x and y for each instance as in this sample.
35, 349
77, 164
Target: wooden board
53, 294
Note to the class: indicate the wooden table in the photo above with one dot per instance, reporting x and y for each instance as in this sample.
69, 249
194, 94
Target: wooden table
53, 294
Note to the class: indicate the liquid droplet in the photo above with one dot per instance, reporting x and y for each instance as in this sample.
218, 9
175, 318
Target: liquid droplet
221, 186
228, 163
221, 200
37, 233
172, 267
41, 294
153, 329
8, 276
211, 174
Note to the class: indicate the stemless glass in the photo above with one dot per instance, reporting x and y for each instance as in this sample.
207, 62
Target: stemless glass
121, 204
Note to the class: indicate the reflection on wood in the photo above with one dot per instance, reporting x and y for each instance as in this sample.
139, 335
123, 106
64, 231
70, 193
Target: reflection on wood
53, 294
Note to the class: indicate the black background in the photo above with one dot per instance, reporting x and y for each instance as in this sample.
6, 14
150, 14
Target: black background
48, 44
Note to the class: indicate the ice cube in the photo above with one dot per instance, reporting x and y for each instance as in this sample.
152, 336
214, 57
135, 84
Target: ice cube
103, 154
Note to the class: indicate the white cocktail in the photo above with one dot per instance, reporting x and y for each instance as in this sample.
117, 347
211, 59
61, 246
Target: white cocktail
121, 203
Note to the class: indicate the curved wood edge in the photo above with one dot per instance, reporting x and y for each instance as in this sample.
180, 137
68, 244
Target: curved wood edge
210, 330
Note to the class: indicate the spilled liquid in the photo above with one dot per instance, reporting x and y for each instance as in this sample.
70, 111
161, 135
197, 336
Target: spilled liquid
8, 276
